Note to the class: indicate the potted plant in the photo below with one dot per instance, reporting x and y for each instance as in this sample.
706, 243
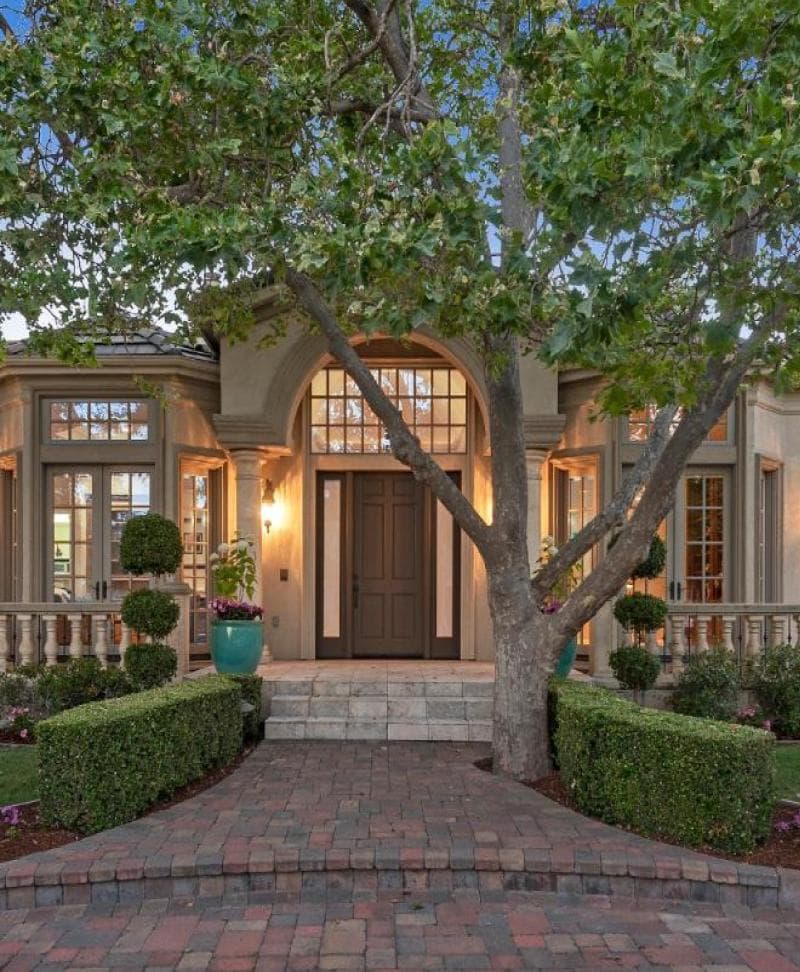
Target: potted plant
237, 632
559, 593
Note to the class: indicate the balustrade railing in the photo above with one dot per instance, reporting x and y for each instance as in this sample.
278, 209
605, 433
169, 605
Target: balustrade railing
44, 633
746, 630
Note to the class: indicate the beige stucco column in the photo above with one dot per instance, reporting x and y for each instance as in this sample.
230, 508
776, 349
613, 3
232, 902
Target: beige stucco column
534, 460
247, 463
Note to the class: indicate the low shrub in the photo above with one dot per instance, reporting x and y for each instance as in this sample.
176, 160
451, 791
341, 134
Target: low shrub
708, 686
634, 667
151, 613
104, 764
695, 781
80, 681
250, 686
20, 689
150, 665
776, 685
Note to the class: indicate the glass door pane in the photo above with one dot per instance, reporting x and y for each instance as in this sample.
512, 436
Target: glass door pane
195, 524
127, 494
73, 555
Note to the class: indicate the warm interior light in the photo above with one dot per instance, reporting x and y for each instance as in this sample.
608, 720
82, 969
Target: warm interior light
270, 507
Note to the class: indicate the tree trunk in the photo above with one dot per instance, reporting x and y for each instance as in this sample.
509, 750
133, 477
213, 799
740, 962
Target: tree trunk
522, 669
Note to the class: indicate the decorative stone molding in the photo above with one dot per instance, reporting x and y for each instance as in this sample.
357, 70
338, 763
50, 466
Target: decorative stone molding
543, 431
250, 432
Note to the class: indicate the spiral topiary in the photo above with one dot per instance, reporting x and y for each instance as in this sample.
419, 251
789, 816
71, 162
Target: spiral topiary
150, 544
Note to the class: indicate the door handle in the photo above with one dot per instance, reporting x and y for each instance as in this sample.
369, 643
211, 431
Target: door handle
105, 590
355, 592
97, 590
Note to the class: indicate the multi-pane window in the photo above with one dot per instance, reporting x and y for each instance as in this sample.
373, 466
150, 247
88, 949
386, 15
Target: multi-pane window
640, 424
705, 538
99, 421
73, 552
195, 531
433, 402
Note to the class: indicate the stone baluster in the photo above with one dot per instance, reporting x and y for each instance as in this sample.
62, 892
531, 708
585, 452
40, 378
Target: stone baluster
124, 641
728, 623
702, 622
796, 620
777, 630
753, 643
101, 639
677, 640
3, 643
75, 638
25, 639
651, 643
50, 622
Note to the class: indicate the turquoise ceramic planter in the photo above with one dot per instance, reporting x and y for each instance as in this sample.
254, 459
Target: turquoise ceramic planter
236, 646
566, 659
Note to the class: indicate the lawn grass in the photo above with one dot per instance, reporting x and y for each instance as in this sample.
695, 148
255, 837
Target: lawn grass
18, 776
787, 762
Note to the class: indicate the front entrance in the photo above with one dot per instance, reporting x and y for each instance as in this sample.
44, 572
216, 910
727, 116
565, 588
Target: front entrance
387, 569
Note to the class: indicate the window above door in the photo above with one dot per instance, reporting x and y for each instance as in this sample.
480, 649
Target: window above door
97, 420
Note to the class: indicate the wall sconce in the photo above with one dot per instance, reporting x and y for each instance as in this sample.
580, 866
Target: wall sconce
268, 505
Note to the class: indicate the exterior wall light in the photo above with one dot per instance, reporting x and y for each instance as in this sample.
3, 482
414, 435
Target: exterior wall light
269, 506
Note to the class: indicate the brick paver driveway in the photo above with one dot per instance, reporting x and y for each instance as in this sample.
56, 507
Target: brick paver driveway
461, 931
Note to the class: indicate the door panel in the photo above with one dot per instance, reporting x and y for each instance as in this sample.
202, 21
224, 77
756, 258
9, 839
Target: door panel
88, 507
388, 614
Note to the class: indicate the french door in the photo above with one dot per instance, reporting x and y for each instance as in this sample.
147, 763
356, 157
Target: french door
699, 571
87, 508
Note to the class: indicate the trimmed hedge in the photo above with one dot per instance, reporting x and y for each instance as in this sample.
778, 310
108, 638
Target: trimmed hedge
250, 686
694, 781
105, 763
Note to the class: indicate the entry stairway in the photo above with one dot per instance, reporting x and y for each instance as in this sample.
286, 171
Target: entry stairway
413, 700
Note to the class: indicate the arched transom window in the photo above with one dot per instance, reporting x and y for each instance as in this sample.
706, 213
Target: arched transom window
432, 400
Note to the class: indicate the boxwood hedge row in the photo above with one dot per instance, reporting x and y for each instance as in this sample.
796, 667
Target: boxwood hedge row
690, 780
105, 763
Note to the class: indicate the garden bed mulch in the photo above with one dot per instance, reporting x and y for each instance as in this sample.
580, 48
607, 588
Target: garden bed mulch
31, 836
7, 737
779, 850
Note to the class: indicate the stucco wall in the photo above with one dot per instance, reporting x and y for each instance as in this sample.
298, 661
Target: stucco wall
11, 416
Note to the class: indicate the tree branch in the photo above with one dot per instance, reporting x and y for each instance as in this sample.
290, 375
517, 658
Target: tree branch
614, 513
405, 446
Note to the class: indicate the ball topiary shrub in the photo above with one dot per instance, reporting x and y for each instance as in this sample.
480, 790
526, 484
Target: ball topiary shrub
150, 544
634, 667
655, 563
150, 613
150, 665
708, 686
640, 613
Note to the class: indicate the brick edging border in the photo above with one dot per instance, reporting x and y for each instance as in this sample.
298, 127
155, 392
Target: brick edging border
310, 872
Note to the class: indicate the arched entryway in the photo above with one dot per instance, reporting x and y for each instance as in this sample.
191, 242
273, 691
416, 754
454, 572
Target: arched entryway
387, 573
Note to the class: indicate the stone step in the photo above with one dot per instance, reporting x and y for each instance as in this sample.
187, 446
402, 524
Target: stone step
372, 707
452, 730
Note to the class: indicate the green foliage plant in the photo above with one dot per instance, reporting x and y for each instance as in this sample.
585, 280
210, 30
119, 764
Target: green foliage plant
149, 612
776, 685
150, 544
233, 568
655, 562
104, 764
634, 667
79, 681
694, 781
708, 686
150, 665
640, 613
251, 686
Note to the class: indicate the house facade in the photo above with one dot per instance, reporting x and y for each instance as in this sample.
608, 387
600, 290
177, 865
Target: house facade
355, 559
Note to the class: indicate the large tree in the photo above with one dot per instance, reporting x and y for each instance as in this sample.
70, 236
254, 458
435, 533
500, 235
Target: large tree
606, 184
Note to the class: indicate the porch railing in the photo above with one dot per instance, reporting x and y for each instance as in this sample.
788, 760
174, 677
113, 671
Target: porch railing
746, 630
43, 633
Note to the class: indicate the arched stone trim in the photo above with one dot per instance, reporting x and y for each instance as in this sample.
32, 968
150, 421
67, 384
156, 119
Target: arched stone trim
309, 353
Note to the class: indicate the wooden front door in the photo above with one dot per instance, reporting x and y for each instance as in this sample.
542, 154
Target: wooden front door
388, 604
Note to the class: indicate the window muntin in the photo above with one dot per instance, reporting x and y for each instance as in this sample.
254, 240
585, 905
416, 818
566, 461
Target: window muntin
640, 423
95, 420
705, 538
432, 400
195, 525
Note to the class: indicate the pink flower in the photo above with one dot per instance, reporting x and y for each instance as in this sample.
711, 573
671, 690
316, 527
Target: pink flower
767, 724
23, 734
